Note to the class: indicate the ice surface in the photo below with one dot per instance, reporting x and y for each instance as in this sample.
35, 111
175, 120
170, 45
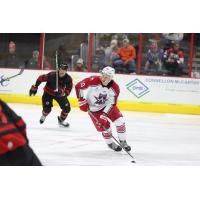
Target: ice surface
156, 139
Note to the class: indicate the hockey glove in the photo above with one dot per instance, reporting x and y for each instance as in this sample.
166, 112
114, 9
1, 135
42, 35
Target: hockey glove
33, 90
83, 104
103, 121
60, 93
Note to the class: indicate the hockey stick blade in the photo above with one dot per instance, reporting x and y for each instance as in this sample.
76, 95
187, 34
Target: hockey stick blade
133, 161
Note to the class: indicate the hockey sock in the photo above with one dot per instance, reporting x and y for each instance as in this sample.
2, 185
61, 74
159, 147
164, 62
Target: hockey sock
121, 128
63, 115
107, 134
44, 113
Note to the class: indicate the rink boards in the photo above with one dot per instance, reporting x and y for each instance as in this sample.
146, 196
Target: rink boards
138, 93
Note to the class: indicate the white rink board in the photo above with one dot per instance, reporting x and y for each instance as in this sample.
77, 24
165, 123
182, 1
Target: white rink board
133, 87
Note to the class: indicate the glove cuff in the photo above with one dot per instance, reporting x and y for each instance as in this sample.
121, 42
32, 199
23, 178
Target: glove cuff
103, 116
82, 102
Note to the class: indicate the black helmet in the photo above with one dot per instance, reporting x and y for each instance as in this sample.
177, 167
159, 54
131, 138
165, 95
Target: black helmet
63, 66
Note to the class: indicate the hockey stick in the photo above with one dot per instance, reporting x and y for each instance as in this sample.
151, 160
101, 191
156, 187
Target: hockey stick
19, 73
133, 161
56, 71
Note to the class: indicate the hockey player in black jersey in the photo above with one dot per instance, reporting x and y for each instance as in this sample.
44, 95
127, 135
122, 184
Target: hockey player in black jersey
58, 87
14, 145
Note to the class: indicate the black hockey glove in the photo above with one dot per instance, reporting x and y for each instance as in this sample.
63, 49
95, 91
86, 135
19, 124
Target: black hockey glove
33, 90
60, 93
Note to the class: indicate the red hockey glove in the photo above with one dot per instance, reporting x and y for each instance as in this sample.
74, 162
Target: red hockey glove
33, 90
103, 121
60, 93
83, 104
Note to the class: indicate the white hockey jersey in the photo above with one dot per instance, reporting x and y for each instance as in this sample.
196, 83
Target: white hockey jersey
98, 96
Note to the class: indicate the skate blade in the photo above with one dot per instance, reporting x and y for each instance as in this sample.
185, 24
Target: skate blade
61, 126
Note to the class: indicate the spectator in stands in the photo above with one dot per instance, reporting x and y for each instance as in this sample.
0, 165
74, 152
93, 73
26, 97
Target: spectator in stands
63, 55
98, 60
46, 64
12, 60
80, 67
173, 36
33, 63
174, 60
109, 51
168, 39
119, 37
124, 61
197, 39
154, 58
103, 40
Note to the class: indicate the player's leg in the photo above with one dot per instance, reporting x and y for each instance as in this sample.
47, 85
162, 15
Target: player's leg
117, 118
131, 66
47, 105
65, 109
105, 130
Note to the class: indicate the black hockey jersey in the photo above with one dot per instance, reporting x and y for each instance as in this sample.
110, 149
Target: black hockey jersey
12, 129
64, 83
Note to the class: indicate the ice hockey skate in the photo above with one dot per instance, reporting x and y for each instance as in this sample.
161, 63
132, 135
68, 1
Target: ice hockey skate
125, 145
42, 119
114, 147
62, 124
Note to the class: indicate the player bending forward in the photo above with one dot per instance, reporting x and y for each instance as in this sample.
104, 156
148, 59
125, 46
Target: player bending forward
50, 93
100, 100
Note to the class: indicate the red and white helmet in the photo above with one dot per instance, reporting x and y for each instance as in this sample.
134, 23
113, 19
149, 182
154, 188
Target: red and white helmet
109, 71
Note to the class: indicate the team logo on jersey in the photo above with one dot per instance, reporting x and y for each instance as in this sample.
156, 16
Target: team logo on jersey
137, 88
101, 99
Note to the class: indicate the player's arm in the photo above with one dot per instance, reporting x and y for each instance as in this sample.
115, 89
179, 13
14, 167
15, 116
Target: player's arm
12, 116
40, 79
133, 53
69, 87
112, 98
80, 87
65, 90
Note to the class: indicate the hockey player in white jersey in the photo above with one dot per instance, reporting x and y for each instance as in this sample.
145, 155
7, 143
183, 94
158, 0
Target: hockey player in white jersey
98, 95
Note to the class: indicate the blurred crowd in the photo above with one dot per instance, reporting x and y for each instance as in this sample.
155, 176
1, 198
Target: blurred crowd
162, 54
122, 54
13, 60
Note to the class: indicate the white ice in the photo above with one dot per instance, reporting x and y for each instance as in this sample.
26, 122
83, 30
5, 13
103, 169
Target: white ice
156, 139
